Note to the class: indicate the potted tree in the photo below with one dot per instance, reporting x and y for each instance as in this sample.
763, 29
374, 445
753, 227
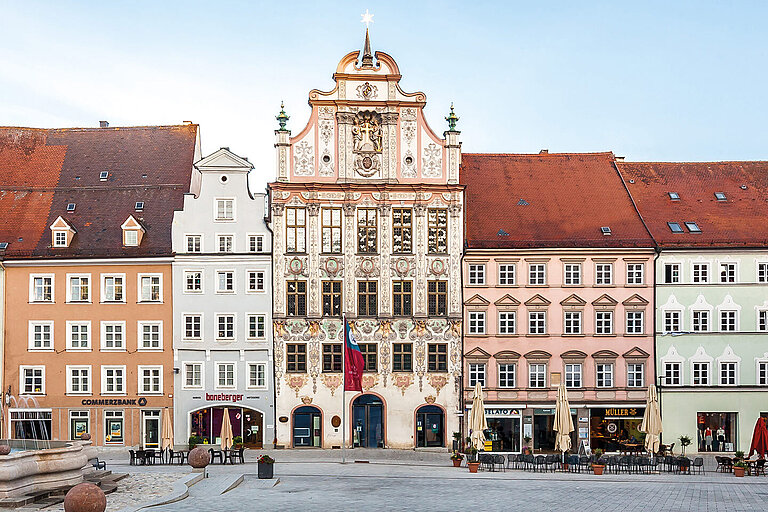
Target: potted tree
237, 442
684, 441
598, 468
472, 462
266, 467
194, 441
457, 458
739, 467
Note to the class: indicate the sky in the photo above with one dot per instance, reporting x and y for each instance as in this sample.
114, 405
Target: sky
653, 80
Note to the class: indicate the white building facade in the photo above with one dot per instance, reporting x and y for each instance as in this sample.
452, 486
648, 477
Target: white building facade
367, 219
222, 303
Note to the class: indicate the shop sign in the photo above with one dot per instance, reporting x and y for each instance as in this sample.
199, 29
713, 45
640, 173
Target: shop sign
624, 412
141, 402
222, 397
498, 411
548, 412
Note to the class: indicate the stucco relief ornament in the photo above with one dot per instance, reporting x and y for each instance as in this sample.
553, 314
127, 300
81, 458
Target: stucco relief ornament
432, 161
296, 382
331, 381
438, 382
367, 143
429, 399
306, 400
369, 381
402, 266
333, 266
367, 91
402, 381
367, 268
438, 267
303, 159
409, 165
295, 266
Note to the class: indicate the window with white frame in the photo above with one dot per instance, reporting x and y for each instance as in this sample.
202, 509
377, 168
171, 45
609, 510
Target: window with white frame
537, 274
78, 335
476, 322
150, 288
225, 209
635, 322
604, 375
635, 273
257, 326
762, 373
573, 375
193, 281
79, 288
507, 375
476, 374
41, 288
255, 243
507, 274
727, 272
728, 373
603, 273
225, 327
78, 380
225, 281
572, 322
193, 326
150, 380
537, 375
507, 320
193, 375
604, 322
635, 375
762, 320
700, 273
537, 322
79, 424
60, 238
700, 373
112, 288
671, 273
331, 219
32, 380
131, 237
256, 280
673, 374
194, 243
150, 335
672, 321
572, 274
257, 375
113, 335
476, 273
700, 321
225, 243
762, 272
296, 229
113, 380
225, 375
727, 320
41, 335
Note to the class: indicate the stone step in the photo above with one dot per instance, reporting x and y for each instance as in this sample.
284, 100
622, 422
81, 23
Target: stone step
215, 485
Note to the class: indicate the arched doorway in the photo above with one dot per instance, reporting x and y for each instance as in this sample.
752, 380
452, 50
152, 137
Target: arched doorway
307, 427
430, 426
368, 422
247, 423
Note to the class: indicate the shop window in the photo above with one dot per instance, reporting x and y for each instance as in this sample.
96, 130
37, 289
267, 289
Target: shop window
612, 429
722, 426
31, 424
78, 424
476, 322
113, 427
476, 374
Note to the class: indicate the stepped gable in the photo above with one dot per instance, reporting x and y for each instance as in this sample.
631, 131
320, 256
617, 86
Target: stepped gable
548, 200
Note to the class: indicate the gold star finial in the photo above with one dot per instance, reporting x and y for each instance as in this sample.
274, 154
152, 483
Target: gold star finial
367, 18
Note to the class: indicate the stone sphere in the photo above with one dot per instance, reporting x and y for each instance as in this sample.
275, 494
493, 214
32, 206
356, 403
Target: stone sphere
199, 457
85, 436
5, 449
85, 497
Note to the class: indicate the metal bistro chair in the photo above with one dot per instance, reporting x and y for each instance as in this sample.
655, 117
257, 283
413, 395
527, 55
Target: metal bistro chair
498, 461
132, 453
512, 460
760, 467
172, 455
530, 462
698, 465
216, 454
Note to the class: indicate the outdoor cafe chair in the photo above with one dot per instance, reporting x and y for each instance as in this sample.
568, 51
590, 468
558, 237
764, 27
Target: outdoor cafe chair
698, 465
498, 460
158, 455
149, 456
216, 454
172, 455
240, 455
530, 462
539, 463
132, 454
512, 460
584, 462
573, 463
759, 467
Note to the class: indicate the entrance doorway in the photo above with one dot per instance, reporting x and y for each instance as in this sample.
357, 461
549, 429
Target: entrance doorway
368, 422
430, 429
307, 427
150, 422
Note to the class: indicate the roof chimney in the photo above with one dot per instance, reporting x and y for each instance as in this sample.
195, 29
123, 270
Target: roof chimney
103, 124
544, 152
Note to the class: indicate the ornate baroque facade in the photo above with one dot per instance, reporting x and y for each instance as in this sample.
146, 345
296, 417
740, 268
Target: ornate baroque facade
367, 220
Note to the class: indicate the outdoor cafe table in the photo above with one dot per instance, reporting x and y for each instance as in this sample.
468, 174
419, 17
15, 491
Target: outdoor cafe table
633, 448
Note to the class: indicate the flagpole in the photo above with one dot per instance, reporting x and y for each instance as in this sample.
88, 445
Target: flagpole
343, 389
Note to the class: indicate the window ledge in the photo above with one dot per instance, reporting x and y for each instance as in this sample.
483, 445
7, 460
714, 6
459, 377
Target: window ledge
149, 302
102, 349
112, 302
40, 350
70, 349
149, 350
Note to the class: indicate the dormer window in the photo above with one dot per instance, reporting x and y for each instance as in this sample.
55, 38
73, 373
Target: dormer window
61, 233
133, 232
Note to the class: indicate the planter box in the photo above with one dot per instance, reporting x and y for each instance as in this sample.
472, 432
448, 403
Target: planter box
266, 471
598, 469
738, 471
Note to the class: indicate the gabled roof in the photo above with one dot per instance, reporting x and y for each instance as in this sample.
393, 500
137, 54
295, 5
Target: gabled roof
43, 170
738, 221
548, 200
222, 159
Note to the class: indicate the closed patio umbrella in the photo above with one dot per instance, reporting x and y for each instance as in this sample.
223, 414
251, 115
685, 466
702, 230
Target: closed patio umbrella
563, 421
759, 439
167, 438
651, 424
477, 421
226, 431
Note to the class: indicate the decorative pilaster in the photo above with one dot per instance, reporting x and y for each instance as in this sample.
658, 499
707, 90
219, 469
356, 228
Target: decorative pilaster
278, 250
350, 239
345, 120
454, 265
389, 153
314, 308
385, 283
420, 240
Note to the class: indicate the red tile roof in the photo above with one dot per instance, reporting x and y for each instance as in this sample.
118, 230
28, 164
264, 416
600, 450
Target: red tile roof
739, 221
548, 200
42, 170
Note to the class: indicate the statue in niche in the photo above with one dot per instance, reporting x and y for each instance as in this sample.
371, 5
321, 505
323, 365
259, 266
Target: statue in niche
367, 137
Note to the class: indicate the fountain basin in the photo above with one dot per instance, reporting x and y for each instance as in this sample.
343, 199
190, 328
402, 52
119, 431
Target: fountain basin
27, 471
